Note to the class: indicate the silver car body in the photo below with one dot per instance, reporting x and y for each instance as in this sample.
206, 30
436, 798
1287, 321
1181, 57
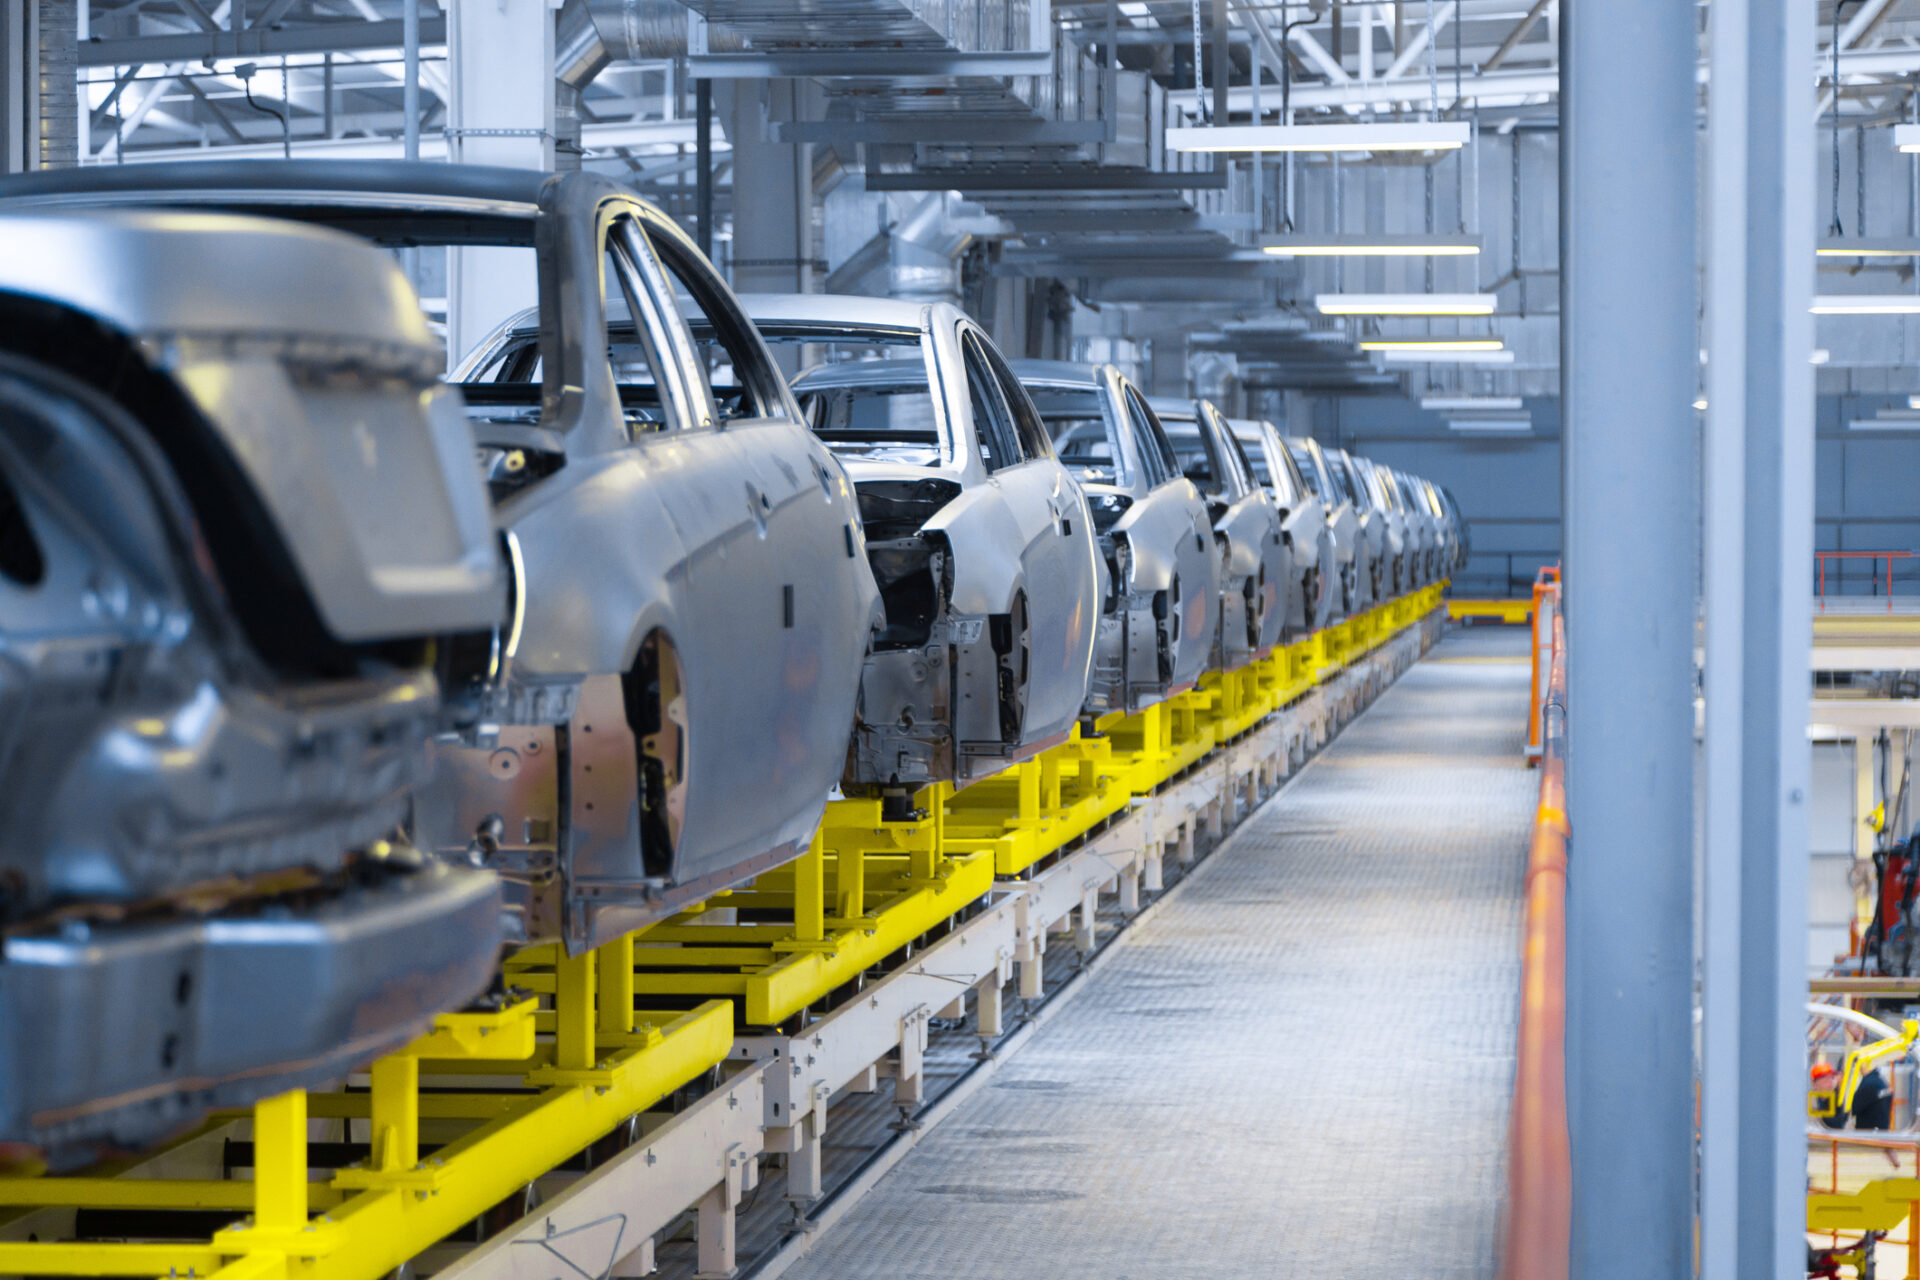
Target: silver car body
232, 526
690, 573
1351, 549
1257, 581
980, 539
1428, 523
1303, 522
1401, 537
1376, 527
1156, 534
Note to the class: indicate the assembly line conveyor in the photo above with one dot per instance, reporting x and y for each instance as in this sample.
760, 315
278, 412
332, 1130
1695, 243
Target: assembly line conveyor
602, 1099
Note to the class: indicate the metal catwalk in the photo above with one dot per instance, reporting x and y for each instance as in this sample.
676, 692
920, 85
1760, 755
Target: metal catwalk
1299, 1066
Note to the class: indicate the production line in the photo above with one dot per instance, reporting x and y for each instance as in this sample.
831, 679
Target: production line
1031, 628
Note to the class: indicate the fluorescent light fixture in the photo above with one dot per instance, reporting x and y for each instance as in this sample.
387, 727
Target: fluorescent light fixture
1906, 137
1351, 246
1700, 404
1432, 344
1472, 404
1405, 304
1455, 356
1491, 426
1427, 135
1867, 304
1913, 402
1878, 247
1820, 356
1886, 422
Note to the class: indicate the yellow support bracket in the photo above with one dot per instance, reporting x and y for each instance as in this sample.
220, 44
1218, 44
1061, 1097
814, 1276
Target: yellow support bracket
1878, 1206
40, 1258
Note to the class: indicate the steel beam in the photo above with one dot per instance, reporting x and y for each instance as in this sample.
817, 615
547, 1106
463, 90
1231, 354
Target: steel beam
1628, 369
1759, 543
857, 64
990, 178
257, 41
942, 128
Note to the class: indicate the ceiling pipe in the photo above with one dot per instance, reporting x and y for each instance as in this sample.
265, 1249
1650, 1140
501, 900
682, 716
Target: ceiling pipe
592, 35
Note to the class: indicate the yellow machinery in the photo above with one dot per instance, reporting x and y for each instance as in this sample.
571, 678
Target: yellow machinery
573, 1054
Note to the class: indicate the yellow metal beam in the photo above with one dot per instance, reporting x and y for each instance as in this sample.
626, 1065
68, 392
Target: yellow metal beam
40, 1258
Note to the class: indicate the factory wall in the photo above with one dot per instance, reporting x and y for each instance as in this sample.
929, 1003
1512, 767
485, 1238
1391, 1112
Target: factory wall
1509, 486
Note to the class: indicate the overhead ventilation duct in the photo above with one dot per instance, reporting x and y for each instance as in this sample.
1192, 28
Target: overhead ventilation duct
591, 35
923, 253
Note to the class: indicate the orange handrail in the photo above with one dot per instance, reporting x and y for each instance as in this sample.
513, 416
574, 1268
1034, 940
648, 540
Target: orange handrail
1545, 583
1539, 1157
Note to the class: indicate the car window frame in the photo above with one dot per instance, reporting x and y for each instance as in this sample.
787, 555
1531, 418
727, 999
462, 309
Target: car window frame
732, 328
661, 330
1157, 457
1001, 431
1035, 441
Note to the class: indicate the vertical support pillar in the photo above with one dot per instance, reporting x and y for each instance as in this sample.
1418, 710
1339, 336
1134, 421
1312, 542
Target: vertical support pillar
849, 882
501, 82
1628, 367
1759, 548
396, 1112
280, 1162
714, 1233
810, 893
1086, 932
573, 1015
703, 165
613, 963
988, 1010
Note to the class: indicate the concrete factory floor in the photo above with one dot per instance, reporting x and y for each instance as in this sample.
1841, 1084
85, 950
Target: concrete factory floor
1299, 1067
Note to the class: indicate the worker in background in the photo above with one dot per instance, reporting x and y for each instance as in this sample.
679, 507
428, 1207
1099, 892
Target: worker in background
1872, 1101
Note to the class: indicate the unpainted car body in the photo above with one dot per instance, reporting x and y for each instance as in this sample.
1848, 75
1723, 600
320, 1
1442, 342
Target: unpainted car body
980, 539
1351, 549
1257, 581
1316, 599
1401, 546
1381, 557
1456, 518
1156, 534
692, 598
232, 526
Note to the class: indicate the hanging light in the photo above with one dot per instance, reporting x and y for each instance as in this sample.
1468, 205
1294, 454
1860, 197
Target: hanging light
1906, 137
1405, 304
1890, 247
1866, 304
1418, 135
1472, 404
1356, 246
1432, 344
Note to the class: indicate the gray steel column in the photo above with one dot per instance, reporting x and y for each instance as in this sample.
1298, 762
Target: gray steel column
410, 82
1628, 343
1759, 553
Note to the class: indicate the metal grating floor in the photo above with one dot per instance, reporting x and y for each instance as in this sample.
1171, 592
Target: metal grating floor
1299, 1067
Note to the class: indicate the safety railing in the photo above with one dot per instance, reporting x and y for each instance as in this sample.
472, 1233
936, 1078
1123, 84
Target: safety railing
1852, 1160
1874, 582
1546, 612
1539, 1161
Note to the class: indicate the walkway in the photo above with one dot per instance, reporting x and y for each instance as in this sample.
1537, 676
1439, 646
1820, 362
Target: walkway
1299, 1067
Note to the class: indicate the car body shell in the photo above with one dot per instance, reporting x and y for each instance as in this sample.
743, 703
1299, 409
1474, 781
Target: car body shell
692, 580
1351, 549
1012, 545
1303, 521
233, 526
1376, 529
1257, 581
1156, 536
